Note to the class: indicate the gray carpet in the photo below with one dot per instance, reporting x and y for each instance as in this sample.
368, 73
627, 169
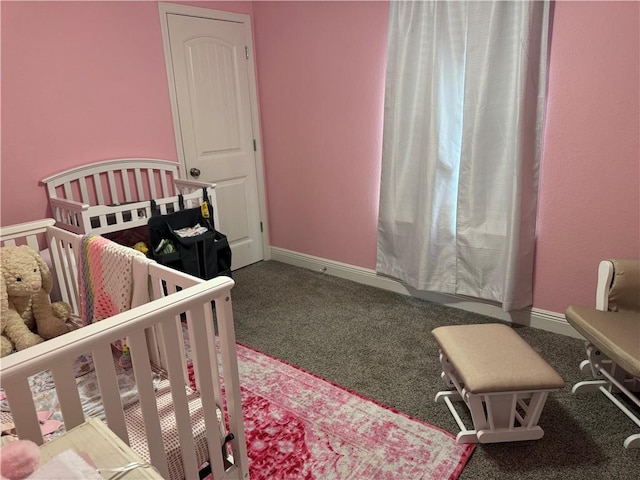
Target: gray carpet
378, 344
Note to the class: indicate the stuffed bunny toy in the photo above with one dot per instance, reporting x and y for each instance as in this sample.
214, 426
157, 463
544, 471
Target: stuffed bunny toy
29, 317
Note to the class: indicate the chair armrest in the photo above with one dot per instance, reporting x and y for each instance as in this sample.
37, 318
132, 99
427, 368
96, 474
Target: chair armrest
605, 275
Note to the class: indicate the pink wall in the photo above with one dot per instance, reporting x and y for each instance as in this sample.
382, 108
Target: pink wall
83, 81
321, 71
321, 68
589, 206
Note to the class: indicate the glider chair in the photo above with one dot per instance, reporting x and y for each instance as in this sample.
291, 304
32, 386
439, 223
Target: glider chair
612, 331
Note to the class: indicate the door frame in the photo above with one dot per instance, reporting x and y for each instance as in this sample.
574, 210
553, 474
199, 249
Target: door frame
171, 8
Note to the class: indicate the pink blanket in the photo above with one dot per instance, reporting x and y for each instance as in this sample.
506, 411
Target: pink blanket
106, 279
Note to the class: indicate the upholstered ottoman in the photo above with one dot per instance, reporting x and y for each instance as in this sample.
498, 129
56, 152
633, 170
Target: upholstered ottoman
502, 380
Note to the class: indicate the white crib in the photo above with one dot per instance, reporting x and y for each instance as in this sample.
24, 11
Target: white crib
202, 426
115, 195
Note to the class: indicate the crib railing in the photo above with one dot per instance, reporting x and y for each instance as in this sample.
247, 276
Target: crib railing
80, 217
114, 195
60, 247
162, 317
28, 233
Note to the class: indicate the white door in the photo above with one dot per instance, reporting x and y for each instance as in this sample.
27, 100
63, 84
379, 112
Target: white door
210, 72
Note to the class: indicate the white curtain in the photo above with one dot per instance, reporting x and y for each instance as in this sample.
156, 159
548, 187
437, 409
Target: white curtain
463, 122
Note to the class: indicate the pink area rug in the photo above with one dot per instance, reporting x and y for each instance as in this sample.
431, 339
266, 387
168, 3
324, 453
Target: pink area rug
299, 426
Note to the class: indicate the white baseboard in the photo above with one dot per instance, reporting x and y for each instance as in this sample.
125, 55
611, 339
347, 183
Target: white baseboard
531, 317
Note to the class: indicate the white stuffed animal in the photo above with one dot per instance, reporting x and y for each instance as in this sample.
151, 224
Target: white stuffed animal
29, 317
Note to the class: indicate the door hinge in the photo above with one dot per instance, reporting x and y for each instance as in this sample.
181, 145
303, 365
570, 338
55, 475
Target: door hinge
255, 145
246, 52
261, 230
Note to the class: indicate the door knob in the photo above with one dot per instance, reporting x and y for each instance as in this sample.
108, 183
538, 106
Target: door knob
195, 172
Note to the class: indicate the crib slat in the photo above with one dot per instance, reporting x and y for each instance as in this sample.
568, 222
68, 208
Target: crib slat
143, 374
154, 334
173, 338
152, 184
71, 275
139, 187
33, 243
84, 192
196, 341
182, 353
125, 186
119, 218
153, 346
158, 292
23, 410
68, 193
210, 335
65, 269
224, 317
154, 337
102, 220
192, 341
108, 382
97, 183
207, 381
113, 188
68, 396
165, 187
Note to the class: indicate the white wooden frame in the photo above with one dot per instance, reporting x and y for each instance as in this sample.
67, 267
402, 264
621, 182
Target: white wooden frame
153, 333
609, 378
128, 208
165, 9
497, 416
